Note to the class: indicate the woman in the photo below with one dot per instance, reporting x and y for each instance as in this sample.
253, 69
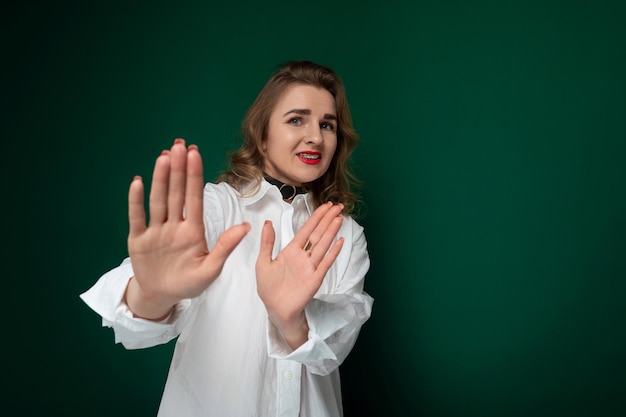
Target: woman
260, 275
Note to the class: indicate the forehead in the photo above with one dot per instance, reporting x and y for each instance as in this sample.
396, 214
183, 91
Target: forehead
298, 96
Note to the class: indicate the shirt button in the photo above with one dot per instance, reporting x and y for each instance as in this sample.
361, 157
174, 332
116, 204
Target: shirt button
288, 374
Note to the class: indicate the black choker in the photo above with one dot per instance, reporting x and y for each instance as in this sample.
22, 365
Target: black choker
288, 191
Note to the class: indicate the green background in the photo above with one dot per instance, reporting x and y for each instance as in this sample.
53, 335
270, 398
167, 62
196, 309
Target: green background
493, 161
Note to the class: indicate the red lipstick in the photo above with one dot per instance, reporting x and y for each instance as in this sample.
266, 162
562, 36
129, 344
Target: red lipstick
310, 157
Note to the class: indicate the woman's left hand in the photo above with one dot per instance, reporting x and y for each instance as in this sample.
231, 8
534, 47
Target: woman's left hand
287, 283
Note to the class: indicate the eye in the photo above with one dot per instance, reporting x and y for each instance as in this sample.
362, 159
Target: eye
295, 121
327, 126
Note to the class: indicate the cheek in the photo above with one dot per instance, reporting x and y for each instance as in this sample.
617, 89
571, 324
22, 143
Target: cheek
332, 146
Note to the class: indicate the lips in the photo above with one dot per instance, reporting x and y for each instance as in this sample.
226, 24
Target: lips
310, 157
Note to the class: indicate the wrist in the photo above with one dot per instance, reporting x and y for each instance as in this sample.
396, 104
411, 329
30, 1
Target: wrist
294, 329
146, 307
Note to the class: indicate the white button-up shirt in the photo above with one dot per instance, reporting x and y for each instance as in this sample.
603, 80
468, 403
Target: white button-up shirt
229, 360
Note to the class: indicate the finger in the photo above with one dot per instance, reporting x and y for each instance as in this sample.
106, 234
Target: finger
319, 250
136, 211
307, 228
267, 243
158, 190
323, 225
178, 173
224, 246
328, 260
195, 186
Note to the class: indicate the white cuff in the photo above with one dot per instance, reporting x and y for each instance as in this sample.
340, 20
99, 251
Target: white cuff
105, 298
334, 322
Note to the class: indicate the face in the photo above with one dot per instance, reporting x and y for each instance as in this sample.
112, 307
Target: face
301, 136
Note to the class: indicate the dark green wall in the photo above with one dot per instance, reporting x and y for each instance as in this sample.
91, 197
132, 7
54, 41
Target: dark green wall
493, 160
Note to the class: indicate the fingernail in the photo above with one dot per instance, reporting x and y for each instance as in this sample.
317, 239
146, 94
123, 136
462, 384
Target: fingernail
165, 152
194, 147
179, 141
137, 177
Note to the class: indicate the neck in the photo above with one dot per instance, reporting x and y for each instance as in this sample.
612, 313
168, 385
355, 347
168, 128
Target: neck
288, 191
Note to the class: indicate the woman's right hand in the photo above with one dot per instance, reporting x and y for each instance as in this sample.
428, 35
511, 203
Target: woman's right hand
170, 257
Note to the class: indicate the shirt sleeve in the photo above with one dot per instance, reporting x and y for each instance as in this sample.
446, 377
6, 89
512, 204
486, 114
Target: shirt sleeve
106, 299
106, 296
334, 318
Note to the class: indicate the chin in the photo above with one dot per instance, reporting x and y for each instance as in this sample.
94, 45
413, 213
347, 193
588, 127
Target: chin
311, 178
307, 176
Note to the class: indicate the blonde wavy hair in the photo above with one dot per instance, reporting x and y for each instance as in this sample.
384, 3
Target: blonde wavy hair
246, 163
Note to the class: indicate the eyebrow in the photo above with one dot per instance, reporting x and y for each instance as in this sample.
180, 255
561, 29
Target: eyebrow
307, 112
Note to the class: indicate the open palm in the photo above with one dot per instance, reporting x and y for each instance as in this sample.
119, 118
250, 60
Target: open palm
170, 257
287, 283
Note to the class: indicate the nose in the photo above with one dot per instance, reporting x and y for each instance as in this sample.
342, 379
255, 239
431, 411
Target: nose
313, 136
